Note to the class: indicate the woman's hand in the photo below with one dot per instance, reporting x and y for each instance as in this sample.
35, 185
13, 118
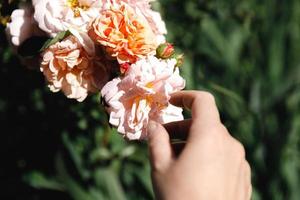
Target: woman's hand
212, 164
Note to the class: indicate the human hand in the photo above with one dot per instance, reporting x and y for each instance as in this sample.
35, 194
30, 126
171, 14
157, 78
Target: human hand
212, 164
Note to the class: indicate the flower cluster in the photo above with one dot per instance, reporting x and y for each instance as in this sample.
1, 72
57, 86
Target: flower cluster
116, 47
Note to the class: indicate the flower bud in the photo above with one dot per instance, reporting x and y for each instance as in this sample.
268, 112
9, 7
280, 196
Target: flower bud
165, 51
124, 67
180, 59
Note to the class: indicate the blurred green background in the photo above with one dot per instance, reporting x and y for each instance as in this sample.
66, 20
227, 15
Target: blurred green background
246, 52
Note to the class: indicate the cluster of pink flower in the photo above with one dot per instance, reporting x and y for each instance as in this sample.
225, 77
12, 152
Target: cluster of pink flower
116, 47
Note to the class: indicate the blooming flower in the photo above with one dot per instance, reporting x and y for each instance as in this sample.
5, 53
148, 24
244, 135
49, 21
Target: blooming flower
68, 67
143, 94
154, 18
124, 34
22, 25
54, 16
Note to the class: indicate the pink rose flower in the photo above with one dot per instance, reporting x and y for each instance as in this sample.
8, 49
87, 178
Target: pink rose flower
22, 25
68, 67
143, 94
54, 16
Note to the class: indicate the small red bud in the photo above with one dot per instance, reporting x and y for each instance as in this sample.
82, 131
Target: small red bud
124, 67
165, 51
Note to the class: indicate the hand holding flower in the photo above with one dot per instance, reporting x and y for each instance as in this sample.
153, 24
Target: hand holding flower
211, 165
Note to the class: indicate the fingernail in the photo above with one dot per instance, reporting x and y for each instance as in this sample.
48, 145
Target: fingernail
151, 126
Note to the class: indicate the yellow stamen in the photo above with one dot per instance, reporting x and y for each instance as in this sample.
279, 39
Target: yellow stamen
76, 12
75, 5
149, 85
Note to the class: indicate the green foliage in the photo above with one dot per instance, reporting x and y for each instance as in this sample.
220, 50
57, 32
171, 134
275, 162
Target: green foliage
245, 52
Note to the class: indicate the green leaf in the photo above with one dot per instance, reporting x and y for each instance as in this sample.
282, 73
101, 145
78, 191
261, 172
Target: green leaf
107, 180
276, 54
59, 37
100, 154
40, 181
143, 175
7, 55
76, 156
75, 190
227, 92
128, 151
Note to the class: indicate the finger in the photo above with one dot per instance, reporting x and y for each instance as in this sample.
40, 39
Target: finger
179, 130
248, 180
249, 192
159, 146
202, 105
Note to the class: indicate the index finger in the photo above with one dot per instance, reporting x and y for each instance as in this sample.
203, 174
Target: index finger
201, 104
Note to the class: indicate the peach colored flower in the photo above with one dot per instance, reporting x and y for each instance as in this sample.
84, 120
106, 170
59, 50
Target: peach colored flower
154, 18
124, 33
143, 95
68, 67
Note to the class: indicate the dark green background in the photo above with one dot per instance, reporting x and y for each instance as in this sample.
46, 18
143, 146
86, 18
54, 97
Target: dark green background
246, 52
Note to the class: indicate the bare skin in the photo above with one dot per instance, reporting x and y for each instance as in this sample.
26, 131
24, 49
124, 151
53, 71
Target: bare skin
211, 165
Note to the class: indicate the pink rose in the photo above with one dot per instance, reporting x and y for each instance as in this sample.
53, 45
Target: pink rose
68, 67
54, 16
143, 95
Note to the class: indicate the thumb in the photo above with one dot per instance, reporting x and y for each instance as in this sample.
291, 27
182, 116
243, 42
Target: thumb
159, 146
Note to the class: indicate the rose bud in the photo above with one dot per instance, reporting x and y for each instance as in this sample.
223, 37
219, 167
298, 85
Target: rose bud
124, 67
180, 59
165, 51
